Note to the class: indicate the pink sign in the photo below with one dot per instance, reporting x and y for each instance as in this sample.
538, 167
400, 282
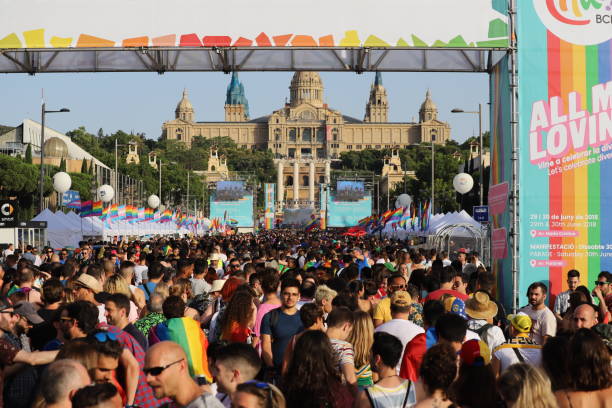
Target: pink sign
498, 198
499, 243
545, 263
553, 233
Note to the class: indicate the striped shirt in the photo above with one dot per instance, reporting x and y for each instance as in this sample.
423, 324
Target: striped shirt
398, 397
344, 353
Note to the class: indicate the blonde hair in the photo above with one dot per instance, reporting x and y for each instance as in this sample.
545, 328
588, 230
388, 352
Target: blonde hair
116, 284
324, 292
362, 338
527, 387
162, 289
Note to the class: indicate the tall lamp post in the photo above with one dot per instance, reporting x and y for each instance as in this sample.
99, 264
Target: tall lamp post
43, 112
479, 113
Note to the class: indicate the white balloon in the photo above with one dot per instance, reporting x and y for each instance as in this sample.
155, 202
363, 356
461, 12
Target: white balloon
463, 183
153, 201
106, 193
403, 200
61, 182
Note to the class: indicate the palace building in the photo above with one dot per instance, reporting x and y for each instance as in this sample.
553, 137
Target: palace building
306, 134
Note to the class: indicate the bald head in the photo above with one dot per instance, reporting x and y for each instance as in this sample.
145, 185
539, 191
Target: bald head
166, 369
61, 380
585, 317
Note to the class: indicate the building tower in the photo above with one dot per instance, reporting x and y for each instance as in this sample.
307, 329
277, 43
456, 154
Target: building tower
132, 156
377, 108
236, 104
429, 110
184, 109
306, 87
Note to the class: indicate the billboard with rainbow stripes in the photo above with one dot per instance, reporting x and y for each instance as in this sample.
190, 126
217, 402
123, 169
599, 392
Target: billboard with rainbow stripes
241, 23
565, 142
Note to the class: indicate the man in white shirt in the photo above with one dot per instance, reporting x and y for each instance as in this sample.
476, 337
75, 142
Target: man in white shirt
481, 310
544, 323
10, 250
562, 300
519, 349
399, 325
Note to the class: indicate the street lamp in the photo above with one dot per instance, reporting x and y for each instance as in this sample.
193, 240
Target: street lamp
479, 113
43, 112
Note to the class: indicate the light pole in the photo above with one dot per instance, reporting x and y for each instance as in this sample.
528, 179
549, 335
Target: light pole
433, 179
116, 178
43, 112
479, 113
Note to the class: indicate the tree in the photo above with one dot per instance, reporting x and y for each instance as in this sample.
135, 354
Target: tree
28, 154
100, 133
84, 169
62, 166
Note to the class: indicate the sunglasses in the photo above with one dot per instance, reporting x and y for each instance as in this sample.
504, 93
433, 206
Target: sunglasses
104, 336
155, 371
12, 314
398, 287
601, 283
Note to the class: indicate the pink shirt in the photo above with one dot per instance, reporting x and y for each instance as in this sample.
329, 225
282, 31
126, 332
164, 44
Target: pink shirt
261, 312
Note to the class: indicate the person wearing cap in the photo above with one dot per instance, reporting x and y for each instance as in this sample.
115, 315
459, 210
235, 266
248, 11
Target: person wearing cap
520, 348
475, 385
399, 326
462, 256
382, 311
28, 318
481, 310
86, 287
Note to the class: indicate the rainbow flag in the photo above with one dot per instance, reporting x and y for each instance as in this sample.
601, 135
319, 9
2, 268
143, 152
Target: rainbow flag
86, 207
232, 222
97, 209
187, 333
114, 211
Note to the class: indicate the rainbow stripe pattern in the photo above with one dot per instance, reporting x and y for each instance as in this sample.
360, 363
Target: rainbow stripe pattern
187, 333
566, 220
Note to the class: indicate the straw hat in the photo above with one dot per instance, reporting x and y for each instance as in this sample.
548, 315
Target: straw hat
89, 282
480, 306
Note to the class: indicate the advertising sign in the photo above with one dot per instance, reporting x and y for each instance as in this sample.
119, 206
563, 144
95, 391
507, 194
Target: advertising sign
269, 202
8, 213
238, 213
241, 23
344, 213
565, 141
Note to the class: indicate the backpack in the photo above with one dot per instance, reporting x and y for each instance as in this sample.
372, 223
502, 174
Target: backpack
483, 329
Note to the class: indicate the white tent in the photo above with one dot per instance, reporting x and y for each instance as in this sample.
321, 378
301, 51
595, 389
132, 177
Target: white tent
60, 231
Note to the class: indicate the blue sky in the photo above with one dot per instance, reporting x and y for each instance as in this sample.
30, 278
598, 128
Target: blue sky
141, 102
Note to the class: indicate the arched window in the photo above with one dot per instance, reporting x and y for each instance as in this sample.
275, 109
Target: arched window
277, 134
213, 168
289, 181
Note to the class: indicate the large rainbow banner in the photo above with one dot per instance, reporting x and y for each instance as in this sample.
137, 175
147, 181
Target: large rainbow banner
565, 141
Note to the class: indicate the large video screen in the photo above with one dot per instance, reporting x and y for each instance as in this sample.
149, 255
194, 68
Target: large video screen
237, 213
230, 190
345, 213
349, 190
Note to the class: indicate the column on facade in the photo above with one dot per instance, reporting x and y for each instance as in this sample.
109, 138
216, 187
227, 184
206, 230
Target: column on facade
296, 182
327, 171
280, 183
311, 183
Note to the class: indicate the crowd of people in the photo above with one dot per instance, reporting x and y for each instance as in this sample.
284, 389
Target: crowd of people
291, 319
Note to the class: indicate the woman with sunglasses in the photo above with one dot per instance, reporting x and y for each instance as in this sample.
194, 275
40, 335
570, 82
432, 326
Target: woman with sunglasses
255, 394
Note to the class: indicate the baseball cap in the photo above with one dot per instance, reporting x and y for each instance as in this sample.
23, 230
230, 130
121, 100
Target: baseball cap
401, 298
26, 309
455, 305
89, 282
475, 353
520, 322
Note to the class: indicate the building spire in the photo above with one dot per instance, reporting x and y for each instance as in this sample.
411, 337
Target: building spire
378, 79
236, 103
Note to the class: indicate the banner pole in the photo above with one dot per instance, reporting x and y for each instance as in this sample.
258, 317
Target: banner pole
515, 158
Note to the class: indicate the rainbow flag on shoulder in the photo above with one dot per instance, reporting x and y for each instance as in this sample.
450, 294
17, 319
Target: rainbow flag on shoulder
187, 333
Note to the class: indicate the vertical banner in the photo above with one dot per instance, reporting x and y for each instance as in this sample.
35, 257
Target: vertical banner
269, 200
565, 141
501, 178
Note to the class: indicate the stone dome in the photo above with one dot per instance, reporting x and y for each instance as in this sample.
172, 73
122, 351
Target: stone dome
306, 86
55, 147
184, 104
428, 104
